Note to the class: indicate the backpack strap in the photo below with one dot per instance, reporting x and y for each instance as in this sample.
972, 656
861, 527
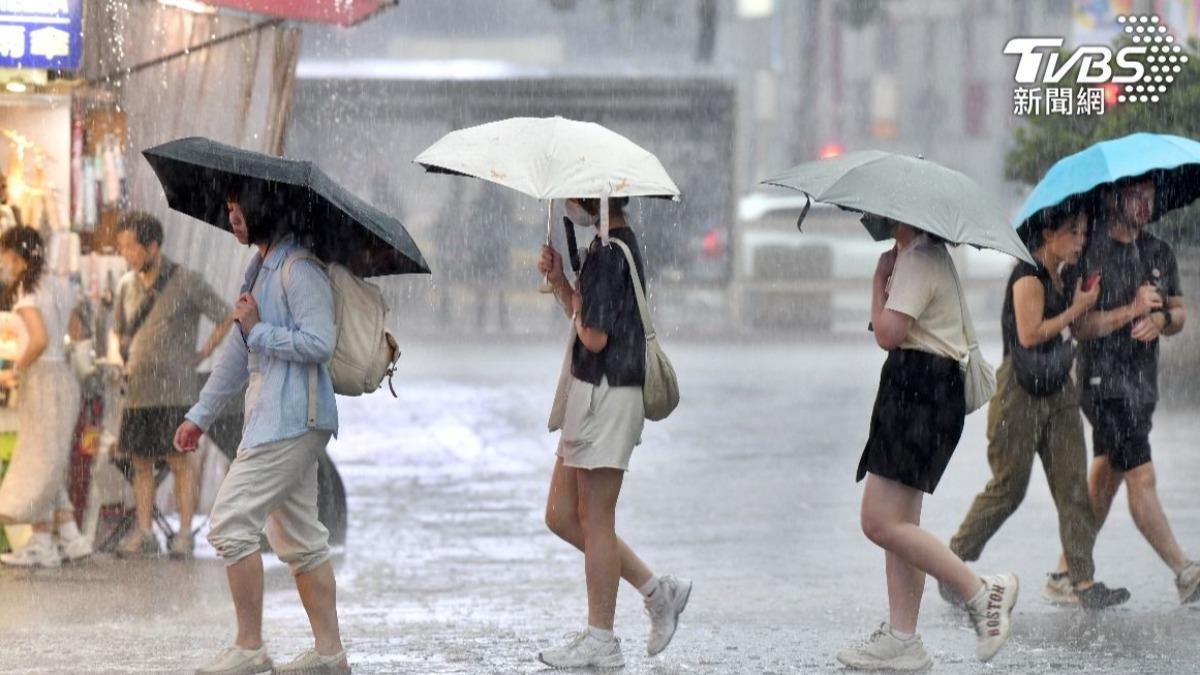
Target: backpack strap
303, 254
647, 322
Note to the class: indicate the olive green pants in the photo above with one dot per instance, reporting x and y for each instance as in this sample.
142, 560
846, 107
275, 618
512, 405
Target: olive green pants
1020, 427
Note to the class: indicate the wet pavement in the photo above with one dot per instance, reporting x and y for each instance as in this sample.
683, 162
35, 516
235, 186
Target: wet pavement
748, 490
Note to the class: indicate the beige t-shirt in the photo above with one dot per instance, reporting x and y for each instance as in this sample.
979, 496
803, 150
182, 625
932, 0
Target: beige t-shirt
923, 286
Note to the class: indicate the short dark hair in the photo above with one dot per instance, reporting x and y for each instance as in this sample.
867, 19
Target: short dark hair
145, 228
265, 211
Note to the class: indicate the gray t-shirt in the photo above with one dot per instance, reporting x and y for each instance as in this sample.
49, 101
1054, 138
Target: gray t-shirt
161, 367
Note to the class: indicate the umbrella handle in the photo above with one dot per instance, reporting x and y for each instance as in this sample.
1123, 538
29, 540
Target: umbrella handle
546, 287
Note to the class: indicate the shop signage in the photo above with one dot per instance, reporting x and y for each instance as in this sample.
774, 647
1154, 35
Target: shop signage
43, 34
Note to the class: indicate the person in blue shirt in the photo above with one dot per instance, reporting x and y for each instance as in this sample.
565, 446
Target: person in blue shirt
284, 334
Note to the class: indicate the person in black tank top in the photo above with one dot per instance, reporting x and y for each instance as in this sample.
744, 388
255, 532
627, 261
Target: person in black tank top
1035, 412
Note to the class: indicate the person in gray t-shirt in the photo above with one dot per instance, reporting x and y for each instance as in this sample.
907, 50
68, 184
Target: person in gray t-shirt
156, 320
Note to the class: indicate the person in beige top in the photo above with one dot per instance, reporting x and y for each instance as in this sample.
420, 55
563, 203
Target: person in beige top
156, 320
918, 319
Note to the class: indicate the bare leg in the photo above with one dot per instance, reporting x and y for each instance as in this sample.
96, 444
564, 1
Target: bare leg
318, 593
598, 492
1103, 483
185, 488
246, 586
905, 583
1148, 515
562, 517
888, 510
143, 491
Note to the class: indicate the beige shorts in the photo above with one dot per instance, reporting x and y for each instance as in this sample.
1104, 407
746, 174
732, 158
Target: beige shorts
601, 426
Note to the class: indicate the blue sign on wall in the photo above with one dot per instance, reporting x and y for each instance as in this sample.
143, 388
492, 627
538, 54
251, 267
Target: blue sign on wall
44, 34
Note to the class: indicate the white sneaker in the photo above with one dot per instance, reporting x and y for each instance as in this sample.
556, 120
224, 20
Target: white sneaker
313, 662
1059, 590
238, 661
33, 554
664, 608
1188, 583
71, 550
884, 651
584, 651
992, 613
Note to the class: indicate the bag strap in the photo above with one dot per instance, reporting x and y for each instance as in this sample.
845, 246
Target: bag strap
143, 311
968, 325
647, 323
303, 254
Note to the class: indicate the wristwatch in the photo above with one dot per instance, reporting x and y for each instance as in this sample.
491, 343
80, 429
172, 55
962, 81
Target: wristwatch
1167, 318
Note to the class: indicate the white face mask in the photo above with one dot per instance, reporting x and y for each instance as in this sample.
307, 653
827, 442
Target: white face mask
580, 216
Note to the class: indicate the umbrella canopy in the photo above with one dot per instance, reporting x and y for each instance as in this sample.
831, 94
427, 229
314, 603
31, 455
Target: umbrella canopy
340, 12
551, 158
1173, 162
912, 190
197, 173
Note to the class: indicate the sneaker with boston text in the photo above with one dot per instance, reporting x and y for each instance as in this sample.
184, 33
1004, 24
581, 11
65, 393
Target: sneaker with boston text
585, 650
991, 613
884, 651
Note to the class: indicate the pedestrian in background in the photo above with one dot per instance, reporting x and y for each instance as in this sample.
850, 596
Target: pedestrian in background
1141, 301
34, 490
156, 317
1035, 412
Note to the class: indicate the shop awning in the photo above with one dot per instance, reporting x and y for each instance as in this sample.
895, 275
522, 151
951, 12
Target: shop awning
341, 12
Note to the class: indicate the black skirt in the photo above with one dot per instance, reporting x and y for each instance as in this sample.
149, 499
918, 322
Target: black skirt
150, 432
917, 420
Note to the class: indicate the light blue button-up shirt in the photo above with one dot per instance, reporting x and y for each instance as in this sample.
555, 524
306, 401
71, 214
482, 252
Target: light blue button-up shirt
293, 333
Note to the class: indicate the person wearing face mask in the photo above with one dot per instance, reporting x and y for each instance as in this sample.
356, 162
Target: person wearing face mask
603, 421
34, 490
1141, 301
155, 321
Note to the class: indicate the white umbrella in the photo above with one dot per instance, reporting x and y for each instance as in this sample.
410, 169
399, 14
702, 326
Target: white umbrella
552, 158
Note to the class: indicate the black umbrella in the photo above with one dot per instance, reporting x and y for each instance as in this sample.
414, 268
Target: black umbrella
197, 174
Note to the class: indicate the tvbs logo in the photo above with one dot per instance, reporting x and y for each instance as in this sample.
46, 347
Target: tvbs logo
1142, 70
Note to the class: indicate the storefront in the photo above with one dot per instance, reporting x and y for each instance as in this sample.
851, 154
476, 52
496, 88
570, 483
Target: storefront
85, 85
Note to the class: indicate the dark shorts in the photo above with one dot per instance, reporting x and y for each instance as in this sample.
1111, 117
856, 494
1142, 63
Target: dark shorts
1120, 430
917, 421
150, 432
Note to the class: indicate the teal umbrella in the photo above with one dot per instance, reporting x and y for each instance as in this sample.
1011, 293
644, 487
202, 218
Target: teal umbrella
1172, 162
912, 190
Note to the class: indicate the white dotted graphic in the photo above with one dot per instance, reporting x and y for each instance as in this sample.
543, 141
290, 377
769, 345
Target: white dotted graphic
1160, 49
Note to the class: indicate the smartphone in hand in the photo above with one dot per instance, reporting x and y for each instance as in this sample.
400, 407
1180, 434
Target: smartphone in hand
1090, 282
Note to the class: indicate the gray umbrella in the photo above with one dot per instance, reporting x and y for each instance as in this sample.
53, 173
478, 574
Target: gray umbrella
912, 190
